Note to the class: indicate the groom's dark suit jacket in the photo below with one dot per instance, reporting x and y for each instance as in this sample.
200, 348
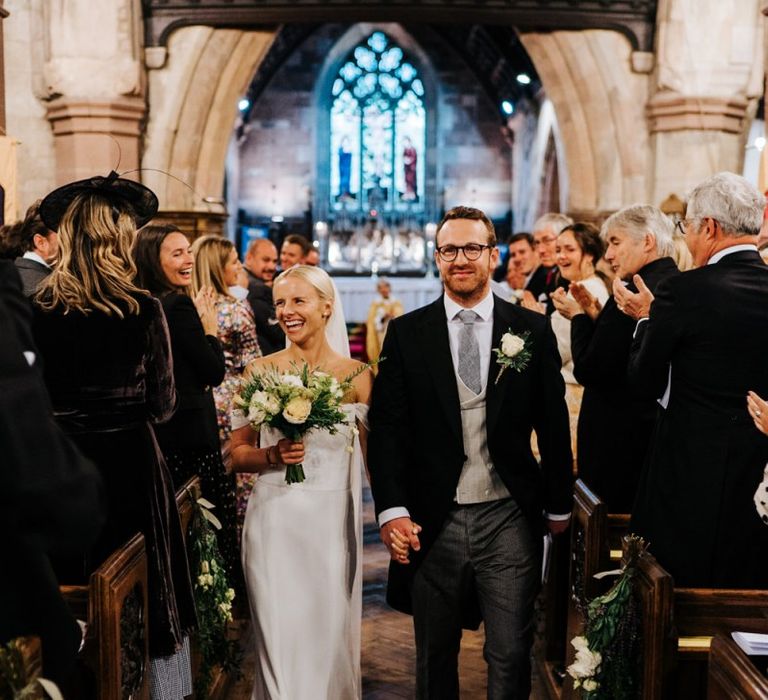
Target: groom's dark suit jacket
706, 459
415, 448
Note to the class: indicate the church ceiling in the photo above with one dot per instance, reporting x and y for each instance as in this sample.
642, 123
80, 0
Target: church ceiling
633, 18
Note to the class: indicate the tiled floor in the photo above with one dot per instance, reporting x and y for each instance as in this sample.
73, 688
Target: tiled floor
388, 652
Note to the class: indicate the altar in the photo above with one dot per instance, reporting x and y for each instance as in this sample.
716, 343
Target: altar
357, 293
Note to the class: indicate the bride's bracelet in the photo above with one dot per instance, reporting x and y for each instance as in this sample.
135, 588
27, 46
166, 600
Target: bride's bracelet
273, 461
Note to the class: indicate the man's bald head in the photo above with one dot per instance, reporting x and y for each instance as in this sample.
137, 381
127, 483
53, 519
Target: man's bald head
261, 259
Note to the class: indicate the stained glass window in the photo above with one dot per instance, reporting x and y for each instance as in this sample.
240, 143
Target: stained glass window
378, 130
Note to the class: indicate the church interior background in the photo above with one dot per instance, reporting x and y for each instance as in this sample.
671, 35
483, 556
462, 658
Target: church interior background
358, 125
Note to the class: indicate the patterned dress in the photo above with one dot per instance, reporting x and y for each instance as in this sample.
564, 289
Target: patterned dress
237, 334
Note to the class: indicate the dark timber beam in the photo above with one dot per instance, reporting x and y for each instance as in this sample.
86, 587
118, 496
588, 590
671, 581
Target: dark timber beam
635, 19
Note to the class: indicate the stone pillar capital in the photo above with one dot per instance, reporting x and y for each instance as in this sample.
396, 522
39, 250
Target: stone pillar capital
676, 112
92, 136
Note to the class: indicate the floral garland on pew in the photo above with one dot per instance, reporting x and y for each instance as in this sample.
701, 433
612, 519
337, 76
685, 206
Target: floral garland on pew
213, 599
15, 683
608, 653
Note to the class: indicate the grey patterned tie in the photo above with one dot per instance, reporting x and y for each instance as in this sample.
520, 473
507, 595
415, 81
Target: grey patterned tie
469, 351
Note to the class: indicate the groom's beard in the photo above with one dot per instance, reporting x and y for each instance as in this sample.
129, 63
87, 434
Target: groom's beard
466, 280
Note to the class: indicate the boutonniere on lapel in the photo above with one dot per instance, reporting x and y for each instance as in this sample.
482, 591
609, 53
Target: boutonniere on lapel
514, 352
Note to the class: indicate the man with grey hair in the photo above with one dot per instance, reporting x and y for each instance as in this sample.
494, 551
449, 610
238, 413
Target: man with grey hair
612, 421
545, 232
702, 345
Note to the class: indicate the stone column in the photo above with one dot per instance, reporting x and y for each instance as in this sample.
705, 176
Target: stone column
3, 15
708, 78
94, 85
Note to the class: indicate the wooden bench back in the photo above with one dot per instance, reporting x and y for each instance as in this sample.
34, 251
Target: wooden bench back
115, 606
732, 675
185, 496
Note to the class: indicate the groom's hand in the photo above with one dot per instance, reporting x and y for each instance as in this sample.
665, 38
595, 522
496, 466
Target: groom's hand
400, 536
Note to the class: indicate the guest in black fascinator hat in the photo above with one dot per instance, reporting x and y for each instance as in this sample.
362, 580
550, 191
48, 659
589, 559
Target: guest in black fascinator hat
133, 197
107, 364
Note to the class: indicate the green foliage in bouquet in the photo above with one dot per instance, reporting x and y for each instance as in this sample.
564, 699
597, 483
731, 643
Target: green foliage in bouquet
213, 599
15, 683
608, 653
294, 403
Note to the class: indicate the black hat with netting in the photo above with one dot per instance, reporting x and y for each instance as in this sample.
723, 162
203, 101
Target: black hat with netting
138, 200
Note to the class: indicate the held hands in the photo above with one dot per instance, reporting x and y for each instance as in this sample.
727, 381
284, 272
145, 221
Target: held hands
399, 536
636, 306
586, 300
567, 307
205, 303
758, 411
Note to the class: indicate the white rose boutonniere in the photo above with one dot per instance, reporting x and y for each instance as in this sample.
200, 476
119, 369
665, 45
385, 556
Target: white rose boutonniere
514, 352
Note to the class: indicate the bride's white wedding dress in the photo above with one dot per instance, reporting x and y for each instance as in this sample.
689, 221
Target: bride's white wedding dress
302, 556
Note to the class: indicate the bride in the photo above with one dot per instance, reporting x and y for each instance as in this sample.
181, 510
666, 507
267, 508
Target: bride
302, 549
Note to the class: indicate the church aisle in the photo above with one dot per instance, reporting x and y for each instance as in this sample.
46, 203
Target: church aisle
388, 653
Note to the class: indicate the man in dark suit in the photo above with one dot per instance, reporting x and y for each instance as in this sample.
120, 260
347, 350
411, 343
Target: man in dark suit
615, 425
38, 249
260, 266
459, 496
702, 348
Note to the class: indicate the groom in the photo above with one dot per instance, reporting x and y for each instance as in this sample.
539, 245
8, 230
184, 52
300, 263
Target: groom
452, 471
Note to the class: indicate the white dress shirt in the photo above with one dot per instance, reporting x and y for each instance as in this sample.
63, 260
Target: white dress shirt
31, 255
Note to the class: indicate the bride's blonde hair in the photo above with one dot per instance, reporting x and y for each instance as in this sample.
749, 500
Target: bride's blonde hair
315, 276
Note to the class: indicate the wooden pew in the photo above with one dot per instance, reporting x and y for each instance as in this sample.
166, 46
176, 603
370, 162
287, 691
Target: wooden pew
563, 602
732, 675
114, 605
189, 490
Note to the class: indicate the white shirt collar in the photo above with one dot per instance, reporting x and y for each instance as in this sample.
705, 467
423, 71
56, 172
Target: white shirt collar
484, 308
717, 257
31, 255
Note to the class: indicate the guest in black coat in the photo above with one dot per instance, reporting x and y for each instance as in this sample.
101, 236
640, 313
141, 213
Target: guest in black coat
615, 426
51, 498
107, 364
260, 266
190, 439
695, 498
34, 247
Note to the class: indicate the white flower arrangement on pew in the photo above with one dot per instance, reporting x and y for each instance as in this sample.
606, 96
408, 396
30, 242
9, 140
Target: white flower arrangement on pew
294, 403
608, 653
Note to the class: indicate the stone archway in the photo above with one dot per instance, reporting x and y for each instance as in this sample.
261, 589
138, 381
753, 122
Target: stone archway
588, 75
600, 105
194, 86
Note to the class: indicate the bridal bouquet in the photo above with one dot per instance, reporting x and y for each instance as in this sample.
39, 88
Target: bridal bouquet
294, 403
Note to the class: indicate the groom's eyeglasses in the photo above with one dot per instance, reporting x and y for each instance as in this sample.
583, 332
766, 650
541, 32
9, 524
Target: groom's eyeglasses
472, 251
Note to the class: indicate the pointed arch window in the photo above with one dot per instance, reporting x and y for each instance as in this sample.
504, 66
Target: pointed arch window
378, 130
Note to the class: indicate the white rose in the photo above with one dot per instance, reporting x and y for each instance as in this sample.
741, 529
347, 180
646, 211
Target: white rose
511, 345
291, 380
297, 410
266, 401
256, 415
590, 685
579, 643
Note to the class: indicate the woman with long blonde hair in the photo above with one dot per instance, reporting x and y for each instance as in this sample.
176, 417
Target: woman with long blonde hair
107, 365
217, 267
